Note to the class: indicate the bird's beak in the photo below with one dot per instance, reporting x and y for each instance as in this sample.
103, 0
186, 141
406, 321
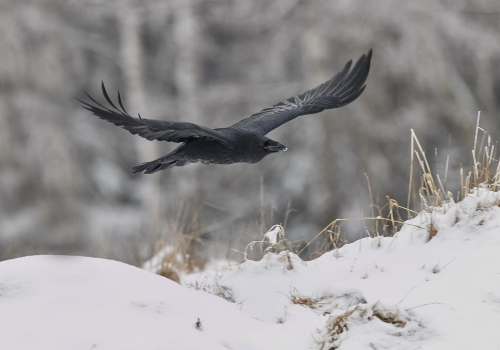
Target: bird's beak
275, 148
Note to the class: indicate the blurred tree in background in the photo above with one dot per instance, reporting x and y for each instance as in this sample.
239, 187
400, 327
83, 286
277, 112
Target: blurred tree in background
65, 185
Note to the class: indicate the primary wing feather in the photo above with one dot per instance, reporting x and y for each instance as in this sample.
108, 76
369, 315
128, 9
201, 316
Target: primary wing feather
148, 128
342, 89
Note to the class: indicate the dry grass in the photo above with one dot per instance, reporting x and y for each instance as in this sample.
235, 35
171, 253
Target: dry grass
217, 289
431, 193
311, 302
335, 239
187, 247
485, 171
336, 326
185, 238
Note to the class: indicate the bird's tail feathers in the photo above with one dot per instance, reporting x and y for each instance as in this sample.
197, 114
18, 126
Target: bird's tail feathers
159, 164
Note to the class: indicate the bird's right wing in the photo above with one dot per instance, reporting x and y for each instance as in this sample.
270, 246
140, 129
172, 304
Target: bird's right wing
342, 89
151, 129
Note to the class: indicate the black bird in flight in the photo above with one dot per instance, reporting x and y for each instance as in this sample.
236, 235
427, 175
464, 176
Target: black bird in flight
243, 142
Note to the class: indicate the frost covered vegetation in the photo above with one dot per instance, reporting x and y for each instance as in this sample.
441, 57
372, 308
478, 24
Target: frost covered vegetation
65, 185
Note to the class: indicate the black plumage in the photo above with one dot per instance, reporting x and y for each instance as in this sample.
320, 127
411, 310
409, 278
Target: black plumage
244, 141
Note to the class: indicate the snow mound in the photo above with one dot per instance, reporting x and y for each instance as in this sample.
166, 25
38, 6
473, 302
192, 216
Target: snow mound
54, 302
434, 285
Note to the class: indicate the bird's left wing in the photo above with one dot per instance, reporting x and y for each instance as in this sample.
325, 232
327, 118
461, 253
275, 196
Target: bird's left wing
342, 89
152, 129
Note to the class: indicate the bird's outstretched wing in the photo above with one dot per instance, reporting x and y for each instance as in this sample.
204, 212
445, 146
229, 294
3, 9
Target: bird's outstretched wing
342, 89
148, 128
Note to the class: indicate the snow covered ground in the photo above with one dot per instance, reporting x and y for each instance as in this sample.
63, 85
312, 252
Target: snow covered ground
412, 291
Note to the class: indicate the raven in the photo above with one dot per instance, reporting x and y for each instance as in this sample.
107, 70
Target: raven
241, 142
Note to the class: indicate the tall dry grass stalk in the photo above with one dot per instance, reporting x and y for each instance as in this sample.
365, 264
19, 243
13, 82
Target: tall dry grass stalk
183, 244
485, 171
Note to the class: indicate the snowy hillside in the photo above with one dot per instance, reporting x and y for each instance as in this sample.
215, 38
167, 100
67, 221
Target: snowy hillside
435, 285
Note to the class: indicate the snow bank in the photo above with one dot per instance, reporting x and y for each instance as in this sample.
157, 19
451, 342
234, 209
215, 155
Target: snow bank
53, 302
435, 285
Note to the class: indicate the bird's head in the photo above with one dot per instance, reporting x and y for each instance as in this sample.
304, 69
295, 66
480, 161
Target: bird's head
273, 146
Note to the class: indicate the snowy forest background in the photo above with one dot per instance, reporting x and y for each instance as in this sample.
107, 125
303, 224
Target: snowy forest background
65, 183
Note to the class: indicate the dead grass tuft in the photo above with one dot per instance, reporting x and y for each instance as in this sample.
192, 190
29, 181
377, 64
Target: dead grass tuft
223, 292
188, 246
338, 325
311, 302
335, 327
168, 272
388, 316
